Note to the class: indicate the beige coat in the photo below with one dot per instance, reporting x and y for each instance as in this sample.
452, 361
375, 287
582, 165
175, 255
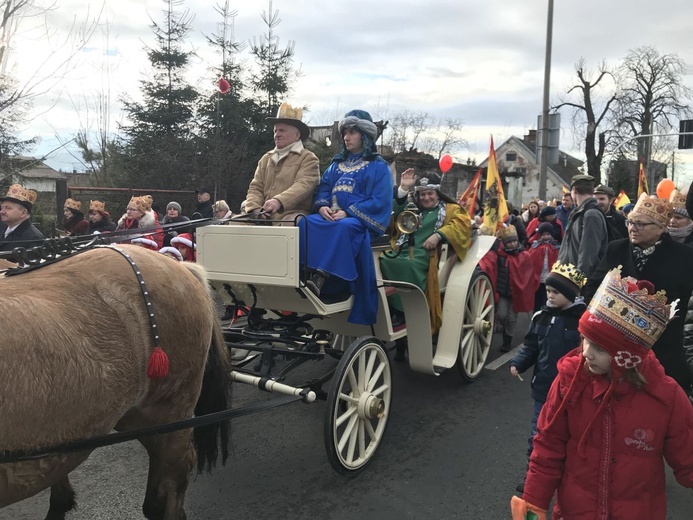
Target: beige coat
291, 180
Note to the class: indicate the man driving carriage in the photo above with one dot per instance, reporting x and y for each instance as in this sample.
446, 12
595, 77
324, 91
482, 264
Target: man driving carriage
286, 176
442, 221
16, 228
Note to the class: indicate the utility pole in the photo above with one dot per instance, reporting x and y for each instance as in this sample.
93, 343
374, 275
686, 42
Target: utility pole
544, 151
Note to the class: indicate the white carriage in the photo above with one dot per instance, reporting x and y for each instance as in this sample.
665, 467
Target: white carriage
258, 266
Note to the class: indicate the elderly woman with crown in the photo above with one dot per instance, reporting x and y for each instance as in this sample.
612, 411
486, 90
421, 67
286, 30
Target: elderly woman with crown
16, 228
352, 204
139, 215
650, 253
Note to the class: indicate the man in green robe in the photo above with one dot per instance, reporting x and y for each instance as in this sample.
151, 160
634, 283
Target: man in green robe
442, 221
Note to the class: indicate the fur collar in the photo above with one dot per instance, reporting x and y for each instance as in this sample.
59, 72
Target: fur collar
147, 220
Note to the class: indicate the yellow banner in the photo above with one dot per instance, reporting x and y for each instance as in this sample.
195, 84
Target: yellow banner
495, 206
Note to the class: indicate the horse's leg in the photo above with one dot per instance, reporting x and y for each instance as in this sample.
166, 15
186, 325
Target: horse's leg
62, 499
171, 459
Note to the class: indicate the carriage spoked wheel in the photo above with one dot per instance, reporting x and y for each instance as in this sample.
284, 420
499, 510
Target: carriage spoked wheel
358, 406
477, 327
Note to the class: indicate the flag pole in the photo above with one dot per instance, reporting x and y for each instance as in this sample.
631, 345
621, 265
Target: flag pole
544, 151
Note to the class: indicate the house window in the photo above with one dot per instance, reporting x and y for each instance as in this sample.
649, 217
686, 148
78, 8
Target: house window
510, 157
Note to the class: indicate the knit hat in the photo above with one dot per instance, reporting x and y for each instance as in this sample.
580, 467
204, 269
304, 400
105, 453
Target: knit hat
626, 317
174, 205
21, 196
678, 203
545, 227
547, 211
73, 205
566, 279
291, 116
185, 240
628, 208
172, 252
654, 208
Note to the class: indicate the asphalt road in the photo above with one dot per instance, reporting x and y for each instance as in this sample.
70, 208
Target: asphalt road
451, 451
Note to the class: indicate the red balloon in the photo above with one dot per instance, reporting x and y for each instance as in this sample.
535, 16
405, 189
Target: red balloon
664, 188
445, 162
224, 86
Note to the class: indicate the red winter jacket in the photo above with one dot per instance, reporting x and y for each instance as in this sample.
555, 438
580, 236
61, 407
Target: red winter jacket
619, 474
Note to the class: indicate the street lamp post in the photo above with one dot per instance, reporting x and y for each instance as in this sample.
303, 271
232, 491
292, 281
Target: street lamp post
544, 148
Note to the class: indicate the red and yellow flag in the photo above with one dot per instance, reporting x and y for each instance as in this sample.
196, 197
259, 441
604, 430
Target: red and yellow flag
495, 206
621, 200
469, 200
565, 189
642, 181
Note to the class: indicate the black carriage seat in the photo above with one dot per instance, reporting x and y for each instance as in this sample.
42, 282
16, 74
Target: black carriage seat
382, 243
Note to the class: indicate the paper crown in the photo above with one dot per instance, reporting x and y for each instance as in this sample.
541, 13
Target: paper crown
97, 205
143, 204
678, 203
16, 193
291, 116
507, 233
626, 317
570, 272
73, 205
657, 209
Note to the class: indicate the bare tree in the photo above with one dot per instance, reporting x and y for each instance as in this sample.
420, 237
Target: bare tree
591, 100
417, 130
653, 98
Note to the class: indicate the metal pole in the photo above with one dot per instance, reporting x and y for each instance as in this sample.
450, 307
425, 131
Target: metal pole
544, 151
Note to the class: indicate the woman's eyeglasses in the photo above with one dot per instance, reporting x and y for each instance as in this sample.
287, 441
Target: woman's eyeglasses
639, 226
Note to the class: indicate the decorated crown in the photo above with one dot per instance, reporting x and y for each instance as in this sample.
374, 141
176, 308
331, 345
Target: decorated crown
657, 209
570, 272
21, 195
73, 204
286, 111
97, 205
507, 233
632, 307
678, 202
141, 203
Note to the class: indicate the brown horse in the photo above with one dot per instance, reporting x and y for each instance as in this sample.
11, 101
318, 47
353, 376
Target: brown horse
74, 344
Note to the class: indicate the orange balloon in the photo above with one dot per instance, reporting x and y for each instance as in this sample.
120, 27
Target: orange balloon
664, 188
445, 162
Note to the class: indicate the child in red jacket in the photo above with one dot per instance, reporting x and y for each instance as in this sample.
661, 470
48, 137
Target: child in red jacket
611, 417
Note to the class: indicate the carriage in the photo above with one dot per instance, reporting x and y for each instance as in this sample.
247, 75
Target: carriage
256, 270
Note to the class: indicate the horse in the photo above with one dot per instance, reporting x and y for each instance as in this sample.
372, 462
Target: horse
75, 339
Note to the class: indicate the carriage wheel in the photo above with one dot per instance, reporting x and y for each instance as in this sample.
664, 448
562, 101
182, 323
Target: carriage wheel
342, 342
358, 406
477, 327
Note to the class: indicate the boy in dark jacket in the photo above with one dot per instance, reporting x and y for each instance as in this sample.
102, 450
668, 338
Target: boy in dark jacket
552, 333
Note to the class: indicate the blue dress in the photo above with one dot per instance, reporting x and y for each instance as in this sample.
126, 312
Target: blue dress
363, 189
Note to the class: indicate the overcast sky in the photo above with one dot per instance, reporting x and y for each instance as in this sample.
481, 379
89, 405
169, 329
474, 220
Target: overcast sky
481, 61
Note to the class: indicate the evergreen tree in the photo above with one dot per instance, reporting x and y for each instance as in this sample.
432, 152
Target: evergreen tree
159, 147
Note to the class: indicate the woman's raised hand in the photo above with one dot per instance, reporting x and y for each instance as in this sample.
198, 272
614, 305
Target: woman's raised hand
408, 179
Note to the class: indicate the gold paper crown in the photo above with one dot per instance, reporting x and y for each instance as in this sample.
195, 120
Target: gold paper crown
286, 111
97, 205
507, 232
73, 204
141, 203
20, 194
627, 305
678, 202
570, 272
657, 209
148, 201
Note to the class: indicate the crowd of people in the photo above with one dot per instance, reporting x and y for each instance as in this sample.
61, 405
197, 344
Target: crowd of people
611, 338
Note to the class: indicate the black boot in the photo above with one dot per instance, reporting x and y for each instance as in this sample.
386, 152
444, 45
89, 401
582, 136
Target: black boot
400, 349
317, 281
506, 346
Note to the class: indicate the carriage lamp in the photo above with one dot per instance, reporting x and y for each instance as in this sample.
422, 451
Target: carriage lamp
409, 221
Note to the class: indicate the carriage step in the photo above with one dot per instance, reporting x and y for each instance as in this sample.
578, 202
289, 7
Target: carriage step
438, 370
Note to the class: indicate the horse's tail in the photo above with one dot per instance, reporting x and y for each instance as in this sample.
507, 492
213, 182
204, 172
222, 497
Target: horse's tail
215, 395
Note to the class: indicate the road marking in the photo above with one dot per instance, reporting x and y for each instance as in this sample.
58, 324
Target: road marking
502, 360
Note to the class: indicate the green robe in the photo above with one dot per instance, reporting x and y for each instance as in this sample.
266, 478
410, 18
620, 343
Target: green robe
422, 269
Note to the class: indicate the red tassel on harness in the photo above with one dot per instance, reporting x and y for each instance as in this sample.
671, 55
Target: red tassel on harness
157, 366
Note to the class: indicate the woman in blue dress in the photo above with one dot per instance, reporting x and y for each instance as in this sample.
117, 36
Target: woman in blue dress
352, 204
